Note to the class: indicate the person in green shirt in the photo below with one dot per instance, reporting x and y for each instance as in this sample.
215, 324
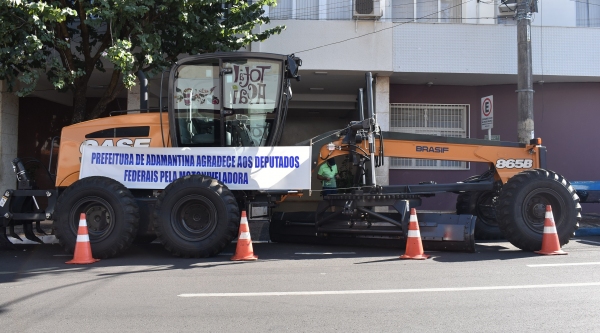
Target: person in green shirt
328, 173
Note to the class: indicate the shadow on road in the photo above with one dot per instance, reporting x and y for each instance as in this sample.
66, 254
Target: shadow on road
32, 260
593, 241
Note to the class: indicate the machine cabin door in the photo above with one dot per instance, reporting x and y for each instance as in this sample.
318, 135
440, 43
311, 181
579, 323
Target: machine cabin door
227, 100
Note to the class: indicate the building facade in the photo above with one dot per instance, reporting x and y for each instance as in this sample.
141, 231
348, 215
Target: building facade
433, 62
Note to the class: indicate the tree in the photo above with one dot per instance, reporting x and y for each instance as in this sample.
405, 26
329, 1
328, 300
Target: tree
70, 39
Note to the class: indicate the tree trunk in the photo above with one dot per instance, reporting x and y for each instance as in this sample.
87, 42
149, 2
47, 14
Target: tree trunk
113, 90
79, 103
100, 107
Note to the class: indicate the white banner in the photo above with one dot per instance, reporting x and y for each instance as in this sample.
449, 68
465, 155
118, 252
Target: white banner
240, 168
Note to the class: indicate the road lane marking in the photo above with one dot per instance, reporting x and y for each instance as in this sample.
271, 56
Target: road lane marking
565, 264
390, 291
322, 253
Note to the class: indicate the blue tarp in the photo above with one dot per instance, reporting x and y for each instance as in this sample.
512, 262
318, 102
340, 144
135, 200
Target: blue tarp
586, 185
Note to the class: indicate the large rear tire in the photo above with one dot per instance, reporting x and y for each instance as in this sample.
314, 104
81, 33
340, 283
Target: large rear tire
196, 216
112, 216
482, 205
522, 204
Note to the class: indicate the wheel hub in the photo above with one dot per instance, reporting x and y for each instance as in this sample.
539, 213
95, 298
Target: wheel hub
195, 218
97, 218
539, 210
535, 207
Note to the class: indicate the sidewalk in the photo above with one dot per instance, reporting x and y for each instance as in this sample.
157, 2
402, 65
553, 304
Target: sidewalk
589, 225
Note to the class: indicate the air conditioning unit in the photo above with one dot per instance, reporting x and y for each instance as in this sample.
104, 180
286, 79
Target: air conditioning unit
507, 9
366, 9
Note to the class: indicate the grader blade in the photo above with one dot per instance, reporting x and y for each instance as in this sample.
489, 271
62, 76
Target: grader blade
439, 231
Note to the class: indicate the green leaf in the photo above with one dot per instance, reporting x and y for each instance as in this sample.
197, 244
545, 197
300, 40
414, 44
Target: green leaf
46, 37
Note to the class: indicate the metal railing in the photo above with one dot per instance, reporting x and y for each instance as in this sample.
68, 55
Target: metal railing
428, 11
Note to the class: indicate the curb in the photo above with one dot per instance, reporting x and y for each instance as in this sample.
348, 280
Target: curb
587, 232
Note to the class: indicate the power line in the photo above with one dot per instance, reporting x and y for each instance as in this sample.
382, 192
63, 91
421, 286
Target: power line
586, 2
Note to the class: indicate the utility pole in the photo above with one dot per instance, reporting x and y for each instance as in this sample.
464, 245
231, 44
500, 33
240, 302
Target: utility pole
524, 83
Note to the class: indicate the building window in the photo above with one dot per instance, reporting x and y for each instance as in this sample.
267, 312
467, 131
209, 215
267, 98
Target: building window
449, 120
424, 11
309, 9
444, 11
588, 13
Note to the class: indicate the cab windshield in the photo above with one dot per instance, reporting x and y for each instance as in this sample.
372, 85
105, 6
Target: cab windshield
232, 102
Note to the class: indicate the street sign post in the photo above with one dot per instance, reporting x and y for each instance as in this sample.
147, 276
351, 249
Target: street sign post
487, 114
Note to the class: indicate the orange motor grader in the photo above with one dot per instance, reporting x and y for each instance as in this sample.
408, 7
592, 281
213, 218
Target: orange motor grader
509, 199
240, 100
237, 99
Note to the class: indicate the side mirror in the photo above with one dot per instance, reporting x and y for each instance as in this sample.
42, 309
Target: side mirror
293, 64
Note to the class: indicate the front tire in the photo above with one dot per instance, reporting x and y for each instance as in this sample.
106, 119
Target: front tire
522, 204
196, 216
112, 216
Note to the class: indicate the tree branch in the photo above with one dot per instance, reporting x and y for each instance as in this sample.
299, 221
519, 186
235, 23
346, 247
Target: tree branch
112, 91
65, 53
106, 41
85, 33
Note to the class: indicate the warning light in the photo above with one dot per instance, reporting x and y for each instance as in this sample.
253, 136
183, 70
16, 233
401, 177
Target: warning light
536, 141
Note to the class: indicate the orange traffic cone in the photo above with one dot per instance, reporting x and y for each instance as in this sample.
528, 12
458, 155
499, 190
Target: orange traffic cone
83, 250
414, 247
550, 242
243, 250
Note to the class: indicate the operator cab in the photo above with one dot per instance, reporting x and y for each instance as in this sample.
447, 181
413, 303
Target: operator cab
230, 99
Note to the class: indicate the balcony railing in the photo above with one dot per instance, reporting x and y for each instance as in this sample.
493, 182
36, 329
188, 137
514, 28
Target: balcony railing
426, 11
586, 12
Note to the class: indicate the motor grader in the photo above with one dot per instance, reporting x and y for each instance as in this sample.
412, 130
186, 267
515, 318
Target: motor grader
510, 196
198, 215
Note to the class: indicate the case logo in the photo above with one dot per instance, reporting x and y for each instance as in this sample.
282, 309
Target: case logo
125, 142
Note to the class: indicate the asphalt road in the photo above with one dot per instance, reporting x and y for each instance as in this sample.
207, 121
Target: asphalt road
304, 288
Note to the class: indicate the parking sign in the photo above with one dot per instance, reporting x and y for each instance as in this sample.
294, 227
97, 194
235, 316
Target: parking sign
487, 112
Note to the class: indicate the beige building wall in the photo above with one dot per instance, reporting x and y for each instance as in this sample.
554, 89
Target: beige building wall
334, 45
